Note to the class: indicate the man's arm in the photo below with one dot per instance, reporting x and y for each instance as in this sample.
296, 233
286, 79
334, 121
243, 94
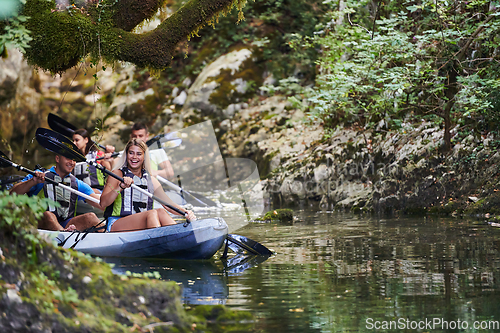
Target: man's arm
25, 186
86, 189
164, 169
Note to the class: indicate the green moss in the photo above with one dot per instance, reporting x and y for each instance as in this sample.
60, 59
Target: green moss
63, 38
218, 318
488, 205
283, 215
417, 211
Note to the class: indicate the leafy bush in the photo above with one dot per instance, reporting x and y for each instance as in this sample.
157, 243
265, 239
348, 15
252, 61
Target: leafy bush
385, 64
19, 215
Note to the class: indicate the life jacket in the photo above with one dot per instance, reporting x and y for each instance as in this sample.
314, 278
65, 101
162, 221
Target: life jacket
67, 200
131, 201
89, 174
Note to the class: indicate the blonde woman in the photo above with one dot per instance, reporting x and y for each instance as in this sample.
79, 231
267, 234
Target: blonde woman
129, 209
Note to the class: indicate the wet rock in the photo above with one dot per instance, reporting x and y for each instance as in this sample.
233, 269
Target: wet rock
473, 199
12, 297
223, 71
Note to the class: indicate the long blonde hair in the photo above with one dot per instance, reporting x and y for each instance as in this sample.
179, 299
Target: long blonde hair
139, 143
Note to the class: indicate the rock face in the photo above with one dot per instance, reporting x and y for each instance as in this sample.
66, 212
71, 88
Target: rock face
18, 95
223, 85
354, 169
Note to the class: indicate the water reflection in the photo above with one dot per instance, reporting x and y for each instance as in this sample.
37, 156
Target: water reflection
339, 273
336, 272
203, 281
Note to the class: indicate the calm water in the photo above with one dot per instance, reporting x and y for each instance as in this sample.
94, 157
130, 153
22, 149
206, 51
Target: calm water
336, 273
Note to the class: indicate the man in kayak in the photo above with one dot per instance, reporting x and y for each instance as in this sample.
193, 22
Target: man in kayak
128, 208
62, 217
160, 165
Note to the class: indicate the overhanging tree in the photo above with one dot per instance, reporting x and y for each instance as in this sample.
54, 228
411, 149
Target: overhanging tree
103, 29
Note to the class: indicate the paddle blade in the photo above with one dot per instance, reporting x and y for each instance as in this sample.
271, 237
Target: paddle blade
7, 182
4, 161
60, 125
164, 141
59, 144
239, 263
248, 245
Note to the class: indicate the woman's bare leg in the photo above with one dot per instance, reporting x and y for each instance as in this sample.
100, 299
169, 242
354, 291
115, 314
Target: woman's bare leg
152, 219
139, 221
165, 218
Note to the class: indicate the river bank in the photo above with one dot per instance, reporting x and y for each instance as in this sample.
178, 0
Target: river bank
45, 288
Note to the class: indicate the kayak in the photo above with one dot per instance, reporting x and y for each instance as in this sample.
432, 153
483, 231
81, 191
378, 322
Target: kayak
200, 239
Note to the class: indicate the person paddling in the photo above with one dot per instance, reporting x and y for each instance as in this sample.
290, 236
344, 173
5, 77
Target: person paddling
127, 208
86, 172
63, 217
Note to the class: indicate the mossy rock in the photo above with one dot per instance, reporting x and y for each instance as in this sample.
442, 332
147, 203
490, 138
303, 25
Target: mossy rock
218, 318
488, 205
283, 215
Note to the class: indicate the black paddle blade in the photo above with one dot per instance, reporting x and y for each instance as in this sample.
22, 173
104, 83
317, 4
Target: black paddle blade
162, 141
59, 144
60, 125
239, 263
7, 182
4, 161
248, 245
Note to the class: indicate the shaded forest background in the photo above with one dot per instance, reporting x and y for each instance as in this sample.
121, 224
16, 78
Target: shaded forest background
380, 69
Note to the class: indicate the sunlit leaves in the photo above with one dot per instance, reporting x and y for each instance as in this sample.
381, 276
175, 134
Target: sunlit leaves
408, 63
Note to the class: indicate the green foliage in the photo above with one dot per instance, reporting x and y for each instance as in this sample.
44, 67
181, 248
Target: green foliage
19, 213
270, 28
13, 31
403, 61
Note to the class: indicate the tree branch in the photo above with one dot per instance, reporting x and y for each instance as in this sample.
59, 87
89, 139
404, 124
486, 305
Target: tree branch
63, 38
155, 49
133, 12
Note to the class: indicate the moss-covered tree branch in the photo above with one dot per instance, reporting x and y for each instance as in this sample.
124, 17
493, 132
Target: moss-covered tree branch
132, 12
63, 38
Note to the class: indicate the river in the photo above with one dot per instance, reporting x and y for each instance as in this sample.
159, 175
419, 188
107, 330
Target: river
348, 273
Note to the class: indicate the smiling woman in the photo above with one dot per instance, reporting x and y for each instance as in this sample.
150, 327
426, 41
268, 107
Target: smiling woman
127, 208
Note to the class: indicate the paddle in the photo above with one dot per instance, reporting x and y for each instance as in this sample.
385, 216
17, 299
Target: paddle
103, 157
162, 141
248, 244
197, 198
10, 179
65, 128
61, 145
5, 162
169, 140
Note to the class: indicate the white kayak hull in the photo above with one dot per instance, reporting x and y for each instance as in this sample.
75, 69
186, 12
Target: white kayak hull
200, 239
